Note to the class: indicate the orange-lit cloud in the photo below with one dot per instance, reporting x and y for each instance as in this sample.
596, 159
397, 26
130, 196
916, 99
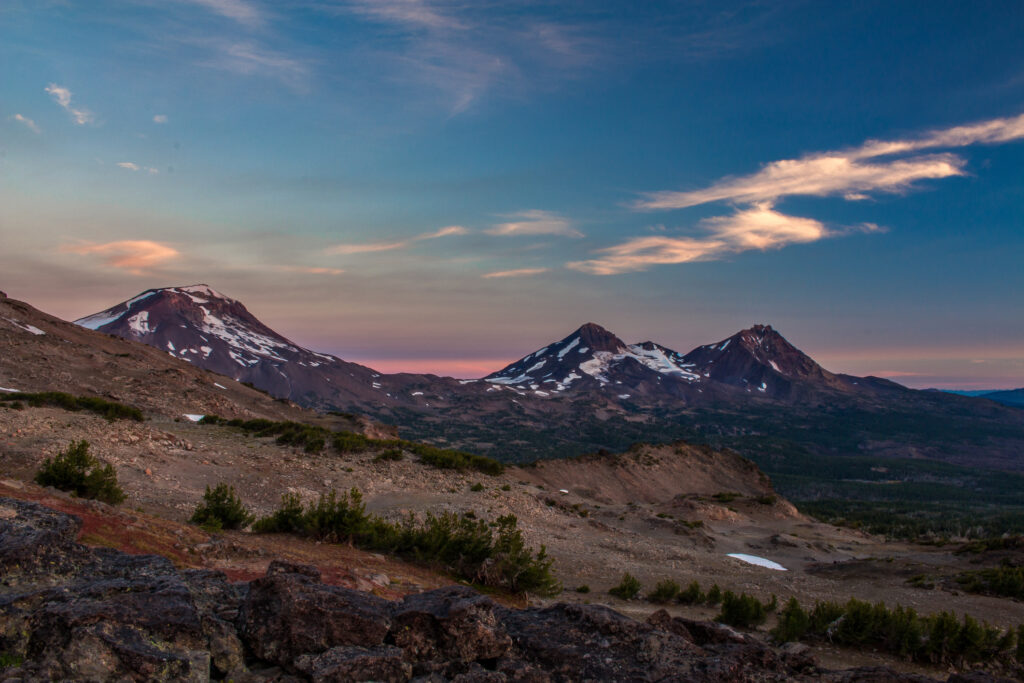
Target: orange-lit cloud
760, 227
132, 255
518, 272
850, 173
310, 270
347, 249
536, 222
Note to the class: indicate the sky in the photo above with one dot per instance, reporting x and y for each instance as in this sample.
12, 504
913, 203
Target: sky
445, 186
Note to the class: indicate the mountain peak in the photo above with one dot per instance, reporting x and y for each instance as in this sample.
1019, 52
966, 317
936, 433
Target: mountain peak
597, 338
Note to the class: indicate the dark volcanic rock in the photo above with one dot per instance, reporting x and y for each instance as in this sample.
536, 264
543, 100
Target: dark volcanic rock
106, 616
37, 544
289, 613
348, 663
449, 623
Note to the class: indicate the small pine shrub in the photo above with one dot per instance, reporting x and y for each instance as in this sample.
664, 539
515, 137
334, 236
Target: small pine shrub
628, 587
289, 518
506, 487
741, 611
714, 595
75, 469
583, 589
793, 623
692, 594
390, 455
220, 509
476, 487
664, 592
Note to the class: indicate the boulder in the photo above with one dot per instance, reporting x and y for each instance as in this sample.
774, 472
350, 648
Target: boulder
449, 623
289, 613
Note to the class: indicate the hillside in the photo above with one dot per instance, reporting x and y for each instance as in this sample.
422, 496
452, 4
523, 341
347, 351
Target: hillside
657, 511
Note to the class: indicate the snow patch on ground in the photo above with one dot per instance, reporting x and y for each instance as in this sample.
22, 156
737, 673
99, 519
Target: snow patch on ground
568, 347
759, 561
194, 418
10, 391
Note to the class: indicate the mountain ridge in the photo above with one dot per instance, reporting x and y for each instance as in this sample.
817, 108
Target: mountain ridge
592, 390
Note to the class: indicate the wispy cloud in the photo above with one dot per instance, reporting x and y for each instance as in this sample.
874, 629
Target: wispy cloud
135, 168
244, 13
447, 231
247, 58
536, 222
347, 249
760, 227
62, 96
135, 256
27, 122
310, 270
418, 13
851, 173
160, 118
518, 272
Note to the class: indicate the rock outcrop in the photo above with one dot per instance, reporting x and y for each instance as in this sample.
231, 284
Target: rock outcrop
68, 612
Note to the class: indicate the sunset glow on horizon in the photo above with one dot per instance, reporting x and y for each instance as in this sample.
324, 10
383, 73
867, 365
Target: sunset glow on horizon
435, 186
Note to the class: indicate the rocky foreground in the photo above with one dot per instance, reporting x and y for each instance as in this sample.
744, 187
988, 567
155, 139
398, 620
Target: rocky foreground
69, 612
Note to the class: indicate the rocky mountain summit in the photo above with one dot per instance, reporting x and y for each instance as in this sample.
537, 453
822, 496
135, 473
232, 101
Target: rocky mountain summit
591, 390
74, 613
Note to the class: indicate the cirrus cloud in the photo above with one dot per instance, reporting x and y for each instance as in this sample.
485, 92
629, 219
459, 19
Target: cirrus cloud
518, 272
760, 227
535, 222
347, 249
132, 255
853, 174
850, 173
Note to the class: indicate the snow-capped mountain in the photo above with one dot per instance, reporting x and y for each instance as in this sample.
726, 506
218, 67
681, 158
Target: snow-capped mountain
757, 360
587, 391
202, 326
593, 358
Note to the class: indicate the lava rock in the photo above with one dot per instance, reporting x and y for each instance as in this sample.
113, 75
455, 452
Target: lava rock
289, 613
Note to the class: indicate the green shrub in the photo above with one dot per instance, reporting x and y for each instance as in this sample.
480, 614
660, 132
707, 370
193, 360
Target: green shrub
1005, 580
692, 594
664, 592
390, 455
725, 496
506, 487
793, 622
111, 410
628, 587
476, 487
583, 588
289, 518
492, 554
714, 595
766, 500
220, 509
314, 439
75, 469
741, 611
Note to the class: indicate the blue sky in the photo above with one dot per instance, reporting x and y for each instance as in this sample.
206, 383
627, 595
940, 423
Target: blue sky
445, 186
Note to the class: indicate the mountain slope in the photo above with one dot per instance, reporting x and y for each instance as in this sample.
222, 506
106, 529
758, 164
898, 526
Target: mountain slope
753, 391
